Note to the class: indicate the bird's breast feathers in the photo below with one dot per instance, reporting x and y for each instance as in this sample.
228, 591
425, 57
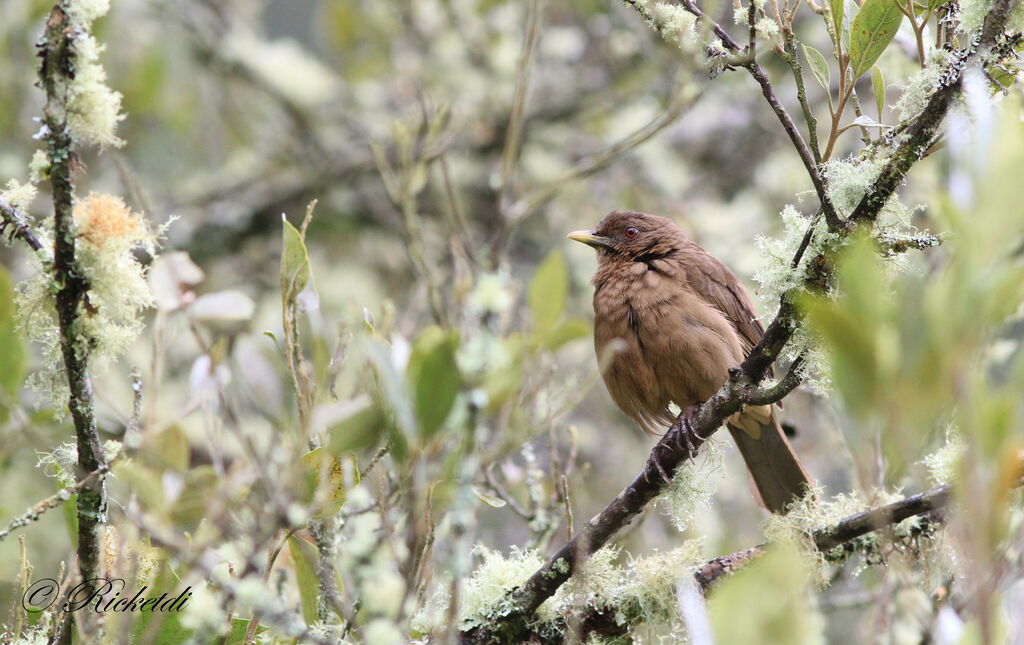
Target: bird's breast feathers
671, 343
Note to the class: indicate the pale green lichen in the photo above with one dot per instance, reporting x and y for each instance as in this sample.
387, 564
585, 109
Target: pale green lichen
60, 463
109, 319
432, 616
813, 512
647, 594
93, 108
676, 25
922, 85
383, 632
693, 485
595, 584
776, 276
18, 195
972, 14
767, 28
82, 13
205, 612
285, 66
39, 166
910, 538
484, 594
943, 464
640, 593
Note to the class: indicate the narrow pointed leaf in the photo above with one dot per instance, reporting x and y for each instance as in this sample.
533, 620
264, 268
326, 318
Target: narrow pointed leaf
878, 87
819, 66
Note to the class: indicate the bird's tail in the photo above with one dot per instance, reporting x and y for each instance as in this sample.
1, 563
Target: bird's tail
777, 473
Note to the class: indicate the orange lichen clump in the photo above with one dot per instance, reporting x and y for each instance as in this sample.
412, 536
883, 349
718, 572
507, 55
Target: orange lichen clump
103, 219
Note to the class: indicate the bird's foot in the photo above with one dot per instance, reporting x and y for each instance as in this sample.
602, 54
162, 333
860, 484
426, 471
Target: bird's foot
682, 436
656, 459
684, 432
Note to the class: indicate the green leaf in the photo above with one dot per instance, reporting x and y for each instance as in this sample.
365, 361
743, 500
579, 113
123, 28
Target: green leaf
294, 263
168, 449
193, 505
878, 87
433, 378
170, 630
819, 66
780, 575
141, 481
836, 7
12, 356
306, 562
491, 500
867, 122
357, 431
238, 628
565, 331
873, 29
548, 291
324, 471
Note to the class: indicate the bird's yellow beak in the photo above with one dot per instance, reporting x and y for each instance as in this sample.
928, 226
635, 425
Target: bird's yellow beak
590, 238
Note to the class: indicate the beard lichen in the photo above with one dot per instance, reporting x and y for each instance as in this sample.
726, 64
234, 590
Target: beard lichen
694, 483
914, 538
109, 319
639, 593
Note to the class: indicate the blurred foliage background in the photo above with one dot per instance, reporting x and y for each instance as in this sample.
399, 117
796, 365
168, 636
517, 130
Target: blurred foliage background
447, 317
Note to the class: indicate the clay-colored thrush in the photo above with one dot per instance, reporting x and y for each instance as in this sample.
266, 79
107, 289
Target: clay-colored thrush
681, 319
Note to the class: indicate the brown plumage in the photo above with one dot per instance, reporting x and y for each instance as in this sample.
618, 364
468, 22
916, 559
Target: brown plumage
674, 320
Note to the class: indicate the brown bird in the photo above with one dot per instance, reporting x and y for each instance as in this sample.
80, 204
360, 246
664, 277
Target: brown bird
676, 319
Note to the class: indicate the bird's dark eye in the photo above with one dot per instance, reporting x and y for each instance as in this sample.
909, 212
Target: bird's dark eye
631, 232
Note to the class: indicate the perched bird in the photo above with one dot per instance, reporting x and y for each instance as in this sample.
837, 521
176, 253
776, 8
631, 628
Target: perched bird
674, 320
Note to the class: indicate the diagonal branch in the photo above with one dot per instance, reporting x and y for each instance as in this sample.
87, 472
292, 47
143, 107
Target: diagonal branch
759, 75
921, 133
18, 223
827, 539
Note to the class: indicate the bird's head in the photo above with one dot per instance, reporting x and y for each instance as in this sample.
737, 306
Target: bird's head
632, 236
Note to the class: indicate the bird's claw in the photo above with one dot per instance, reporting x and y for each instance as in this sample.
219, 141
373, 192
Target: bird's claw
686, 436
656, 460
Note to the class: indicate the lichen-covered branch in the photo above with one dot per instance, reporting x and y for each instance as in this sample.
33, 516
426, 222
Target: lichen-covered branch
53, 501
834, 541
18, 224
759, 75
921, 132
56, 74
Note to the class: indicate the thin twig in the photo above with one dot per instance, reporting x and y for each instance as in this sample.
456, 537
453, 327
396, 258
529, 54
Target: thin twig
513, 136
53, 501
678, 103
18, 222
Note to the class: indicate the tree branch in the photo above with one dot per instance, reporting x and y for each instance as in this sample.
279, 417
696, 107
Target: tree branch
53, 501
788, 124
18, 223
920, 134
826, 539
56, 73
